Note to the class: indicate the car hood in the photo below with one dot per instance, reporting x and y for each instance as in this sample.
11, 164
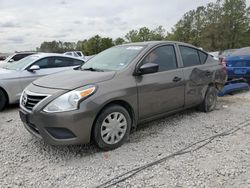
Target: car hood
73, 79
3, 63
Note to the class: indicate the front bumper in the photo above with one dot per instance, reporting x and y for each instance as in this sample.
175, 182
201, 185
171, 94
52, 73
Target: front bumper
68, 128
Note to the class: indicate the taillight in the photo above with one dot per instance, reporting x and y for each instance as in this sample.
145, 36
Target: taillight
223, 63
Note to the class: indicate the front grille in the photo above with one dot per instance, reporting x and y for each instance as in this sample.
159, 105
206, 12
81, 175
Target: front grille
29, 101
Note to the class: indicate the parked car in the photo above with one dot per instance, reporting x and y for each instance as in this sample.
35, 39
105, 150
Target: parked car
118, 89
238, 64
14, 77
16, 57
225, 53
75, 54
214, 54
79, 54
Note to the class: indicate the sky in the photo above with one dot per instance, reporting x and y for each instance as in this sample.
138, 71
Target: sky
25, 24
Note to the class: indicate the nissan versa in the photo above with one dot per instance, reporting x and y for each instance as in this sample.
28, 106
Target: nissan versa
118, 89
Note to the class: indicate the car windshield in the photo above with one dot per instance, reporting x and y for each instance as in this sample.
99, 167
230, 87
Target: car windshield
18, 65
242, 51
113, 59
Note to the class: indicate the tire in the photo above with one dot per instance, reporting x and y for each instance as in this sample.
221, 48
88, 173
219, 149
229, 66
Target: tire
3, 100
210, 100
107, 134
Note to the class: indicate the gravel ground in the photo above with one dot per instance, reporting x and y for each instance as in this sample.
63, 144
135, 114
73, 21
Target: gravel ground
225, 162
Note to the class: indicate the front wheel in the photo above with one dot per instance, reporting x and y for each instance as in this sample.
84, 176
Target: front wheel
3, 100
210, 100
112, 127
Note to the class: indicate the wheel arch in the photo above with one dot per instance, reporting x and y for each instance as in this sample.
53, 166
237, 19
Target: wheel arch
122, 103
5, 93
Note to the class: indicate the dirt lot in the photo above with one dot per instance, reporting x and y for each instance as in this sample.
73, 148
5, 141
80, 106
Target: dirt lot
224, 162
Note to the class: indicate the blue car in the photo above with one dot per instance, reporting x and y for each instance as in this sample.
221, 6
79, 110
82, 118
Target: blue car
238, 64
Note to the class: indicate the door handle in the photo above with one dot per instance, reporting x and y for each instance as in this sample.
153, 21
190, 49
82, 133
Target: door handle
176, 79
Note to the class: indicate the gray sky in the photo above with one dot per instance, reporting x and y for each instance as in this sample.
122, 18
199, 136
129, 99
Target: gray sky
25, 24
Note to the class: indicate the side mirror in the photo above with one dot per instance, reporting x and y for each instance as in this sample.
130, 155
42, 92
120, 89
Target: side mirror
148, 68
11, 60
34, 68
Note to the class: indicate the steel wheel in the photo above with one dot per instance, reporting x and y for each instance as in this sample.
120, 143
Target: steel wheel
211, 100
113, 128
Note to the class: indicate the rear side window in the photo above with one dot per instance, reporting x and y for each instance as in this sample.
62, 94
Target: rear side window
203, 57
62, 62
190, 56
164, 56
66, 62
77, 62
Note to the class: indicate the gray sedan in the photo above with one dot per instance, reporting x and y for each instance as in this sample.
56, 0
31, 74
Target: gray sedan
16, 76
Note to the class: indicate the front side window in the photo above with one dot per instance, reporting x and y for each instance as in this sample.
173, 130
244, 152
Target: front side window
113, 59
189, 56
164, 56
44, 63
22, 63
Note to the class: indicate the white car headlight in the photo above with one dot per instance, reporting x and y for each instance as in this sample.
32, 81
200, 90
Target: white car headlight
69, 101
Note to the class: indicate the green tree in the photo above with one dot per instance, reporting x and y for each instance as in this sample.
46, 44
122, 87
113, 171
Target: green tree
119, 41
217, 26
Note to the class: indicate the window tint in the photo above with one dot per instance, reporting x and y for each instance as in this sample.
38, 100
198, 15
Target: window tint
77, 62
44, 63
203, 57
190, 56
78, 53
19, 56
62, 62
164, 56
57, 62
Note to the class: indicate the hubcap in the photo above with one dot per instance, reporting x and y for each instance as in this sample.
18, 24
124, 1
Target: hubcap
113, 128
212, 100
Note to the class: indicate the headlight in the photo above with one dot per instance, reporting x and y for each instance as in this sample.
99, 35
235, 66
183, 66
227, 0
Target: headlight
69, 101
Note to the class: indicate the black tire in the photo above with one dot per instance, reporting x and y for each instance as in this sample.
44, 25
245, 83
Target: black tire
210, 100
98, 127
3, 100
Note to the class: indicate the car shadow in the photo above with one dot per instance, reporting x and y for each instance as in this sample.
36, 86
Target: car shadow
11, 107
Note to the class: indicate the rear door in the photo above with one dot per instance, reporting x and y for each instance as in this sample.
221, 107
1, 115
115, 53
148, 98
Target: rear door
163, 91
198, 74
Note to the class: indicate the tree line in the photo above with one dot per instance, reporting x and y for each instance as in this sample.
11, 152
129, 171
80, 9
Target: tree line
221, 25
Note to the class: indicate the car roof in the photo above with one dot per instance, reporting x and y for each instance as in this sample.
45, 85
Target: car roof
154, 43
25, 53
42, 55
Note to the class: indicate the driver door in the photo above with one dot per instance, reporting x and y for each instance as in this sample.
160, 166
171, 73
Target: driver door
163, 91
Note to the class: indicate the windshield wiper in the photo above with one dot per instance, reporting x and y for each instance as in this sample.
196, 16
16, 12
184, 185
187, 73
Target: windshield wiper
92, 69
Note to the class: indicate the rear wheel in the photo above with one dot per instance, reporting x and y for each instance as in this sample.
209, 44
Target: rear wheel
210, 100
3, 100
112, 127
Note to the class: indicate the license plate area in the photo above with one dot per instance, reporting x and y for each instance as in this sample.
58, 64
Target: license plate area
240, 71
